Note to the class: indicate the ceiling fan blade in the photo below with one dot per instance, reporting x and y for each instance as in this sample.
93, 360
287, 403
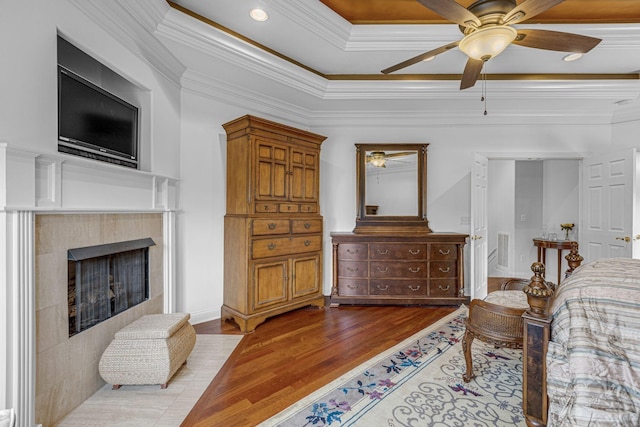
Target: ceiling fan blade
556, 40
399, 154
471, 73
420, 57
452, 11
528, 9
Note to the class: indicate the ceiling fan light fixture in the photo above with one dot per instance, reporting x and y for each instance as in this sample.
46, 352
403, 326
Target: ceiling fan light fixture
572, 57
488, 42
378, 159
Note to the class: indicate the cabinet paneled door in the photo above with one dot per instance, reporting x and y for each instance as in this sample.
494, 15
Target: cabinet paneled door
273, 229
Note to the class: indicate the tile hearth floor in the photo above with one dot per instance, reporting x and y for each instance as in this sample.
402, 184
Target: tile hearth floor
142, 406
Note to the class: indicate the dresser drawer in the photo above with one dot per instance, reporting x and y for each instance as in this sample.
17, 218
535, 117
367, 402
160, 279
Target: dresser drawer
398, 251
395, 269
263, 248
443, 252
267, 207
353, 269
438, 269
262, 227
398, 287
352, 251
353, 287
300, 226
442, 288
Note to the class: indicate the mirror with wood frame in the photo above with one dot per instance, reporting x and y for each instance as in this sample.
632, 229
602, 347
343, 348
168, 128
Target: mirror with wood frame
391, 188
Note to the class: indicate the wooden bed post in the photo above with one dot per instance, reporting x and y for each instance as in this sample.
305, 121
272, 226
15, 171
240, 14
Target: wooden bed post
537, 328
536, 334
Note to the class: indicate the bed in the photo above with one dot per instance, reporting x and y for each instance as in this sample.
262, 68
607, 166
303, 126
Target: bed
582, 348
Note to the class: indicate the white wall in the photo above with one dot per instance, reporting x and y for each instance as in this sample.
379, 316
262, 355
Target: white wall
501, 208
528, 213
28, 80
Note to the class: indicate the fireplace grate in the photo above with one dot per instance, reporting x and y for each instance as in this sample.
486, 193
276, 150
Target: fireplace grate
105, 280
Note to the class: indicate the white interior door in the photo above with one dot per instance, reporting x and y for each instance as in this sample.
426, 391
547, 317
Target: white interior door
478, 250
609, 205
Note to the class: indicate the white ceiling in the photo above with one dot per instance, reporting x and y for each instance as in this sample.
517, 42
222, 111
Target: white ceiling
290, 62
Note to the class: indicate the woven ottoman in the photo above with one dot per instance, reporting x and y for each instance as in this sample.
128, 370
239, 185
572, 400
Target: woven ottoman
148, 351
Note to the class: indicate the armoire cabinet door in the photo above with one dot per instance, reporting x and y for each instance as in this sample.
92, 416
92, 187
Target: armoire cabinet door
304, 176
305, 277
269, 283
272, 176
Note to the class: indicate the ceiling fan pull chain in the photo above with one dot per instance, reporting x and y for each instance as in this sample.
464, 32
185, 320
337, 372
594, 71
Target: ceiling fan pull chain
484, 86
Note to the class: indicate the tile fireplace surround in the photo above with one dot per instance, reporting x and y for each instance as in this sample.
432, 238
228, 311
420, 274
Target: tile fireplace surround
50, 203
67, 368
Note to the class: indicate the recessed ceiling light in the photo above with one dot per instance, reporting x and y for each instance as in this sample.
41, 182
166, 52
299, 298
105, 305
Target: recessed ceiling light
572, 57
258, 15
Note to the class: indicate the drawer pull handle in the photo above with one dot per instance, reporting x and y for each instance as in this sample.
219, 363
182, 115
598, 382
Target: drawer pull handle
383, 270
414, 289
414, 270
307, 225
447, 252
349, 251
307, 242
352, 269
272, 225
352, 287
266, 208
444, 288
444, 270
271, 246
381, 252
412, 252
383, 288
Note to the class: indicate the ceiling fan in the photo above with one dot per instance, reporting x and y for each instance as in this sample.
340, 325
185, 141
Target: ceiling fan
486, 25
379, 158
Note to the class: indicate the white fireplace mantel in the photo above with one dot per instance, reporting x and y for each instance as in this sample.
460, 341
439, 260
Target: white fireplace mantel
33, 183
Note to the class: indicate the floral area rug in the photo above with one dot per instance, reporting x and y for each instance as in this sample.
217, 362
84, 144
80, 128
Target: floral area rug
419, 383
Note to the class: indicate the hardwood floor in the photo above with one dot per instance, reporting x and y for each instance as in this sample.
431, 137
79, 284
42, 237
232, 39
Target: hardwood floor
292, 355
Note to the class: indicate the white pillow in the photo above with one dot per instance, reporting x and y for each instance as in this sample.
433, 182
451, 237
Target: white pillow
7, 418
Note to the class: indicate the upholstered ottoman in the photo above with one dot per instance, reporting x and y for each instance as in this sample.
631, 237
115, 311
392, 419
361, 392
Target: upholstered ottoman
148, 351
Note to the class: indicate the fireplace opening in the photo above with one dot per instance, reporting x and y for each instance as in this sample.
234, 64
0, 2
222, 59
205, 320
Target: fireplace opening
105, 280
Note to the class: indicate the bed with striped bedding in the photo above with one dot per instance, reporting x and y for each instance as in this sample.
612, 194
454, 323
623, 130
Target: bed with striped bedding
593, 359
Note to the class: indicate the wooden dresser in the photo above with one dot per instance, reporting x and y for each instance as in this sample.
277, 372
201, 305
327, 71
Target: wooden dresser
272, 226
417, 268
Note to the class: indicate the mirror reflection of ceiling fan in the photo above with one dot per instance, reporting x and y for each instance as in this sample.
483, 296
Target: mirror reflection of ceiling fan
379, 158
487, 29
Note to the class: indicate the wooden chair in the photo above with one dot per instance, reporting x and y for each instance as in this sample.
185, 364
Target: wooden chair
496, 320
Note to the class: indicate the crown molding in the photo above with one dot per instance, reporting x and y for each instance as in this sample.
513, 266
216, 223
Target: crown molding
133, 23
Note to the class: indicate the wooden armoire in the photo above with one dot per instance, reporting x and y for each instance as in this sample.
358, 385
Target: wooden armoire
272, 226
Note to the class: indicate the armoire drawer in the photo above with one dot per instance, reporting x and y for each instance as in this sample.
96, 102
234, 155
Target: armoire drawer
302, 226
397, 251
410, 270
398, 287
264, 227
263, 248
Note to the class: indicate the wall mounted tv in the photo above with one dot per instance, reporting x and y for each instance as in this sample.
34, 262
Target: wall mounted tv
94, 123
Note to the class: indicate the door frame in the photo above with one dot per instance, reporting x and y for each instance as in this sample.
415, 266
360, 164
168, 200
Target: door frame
522, 156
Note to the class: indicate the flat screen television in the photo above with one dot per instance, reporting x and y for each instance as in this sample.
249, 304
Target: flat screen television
94, 123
